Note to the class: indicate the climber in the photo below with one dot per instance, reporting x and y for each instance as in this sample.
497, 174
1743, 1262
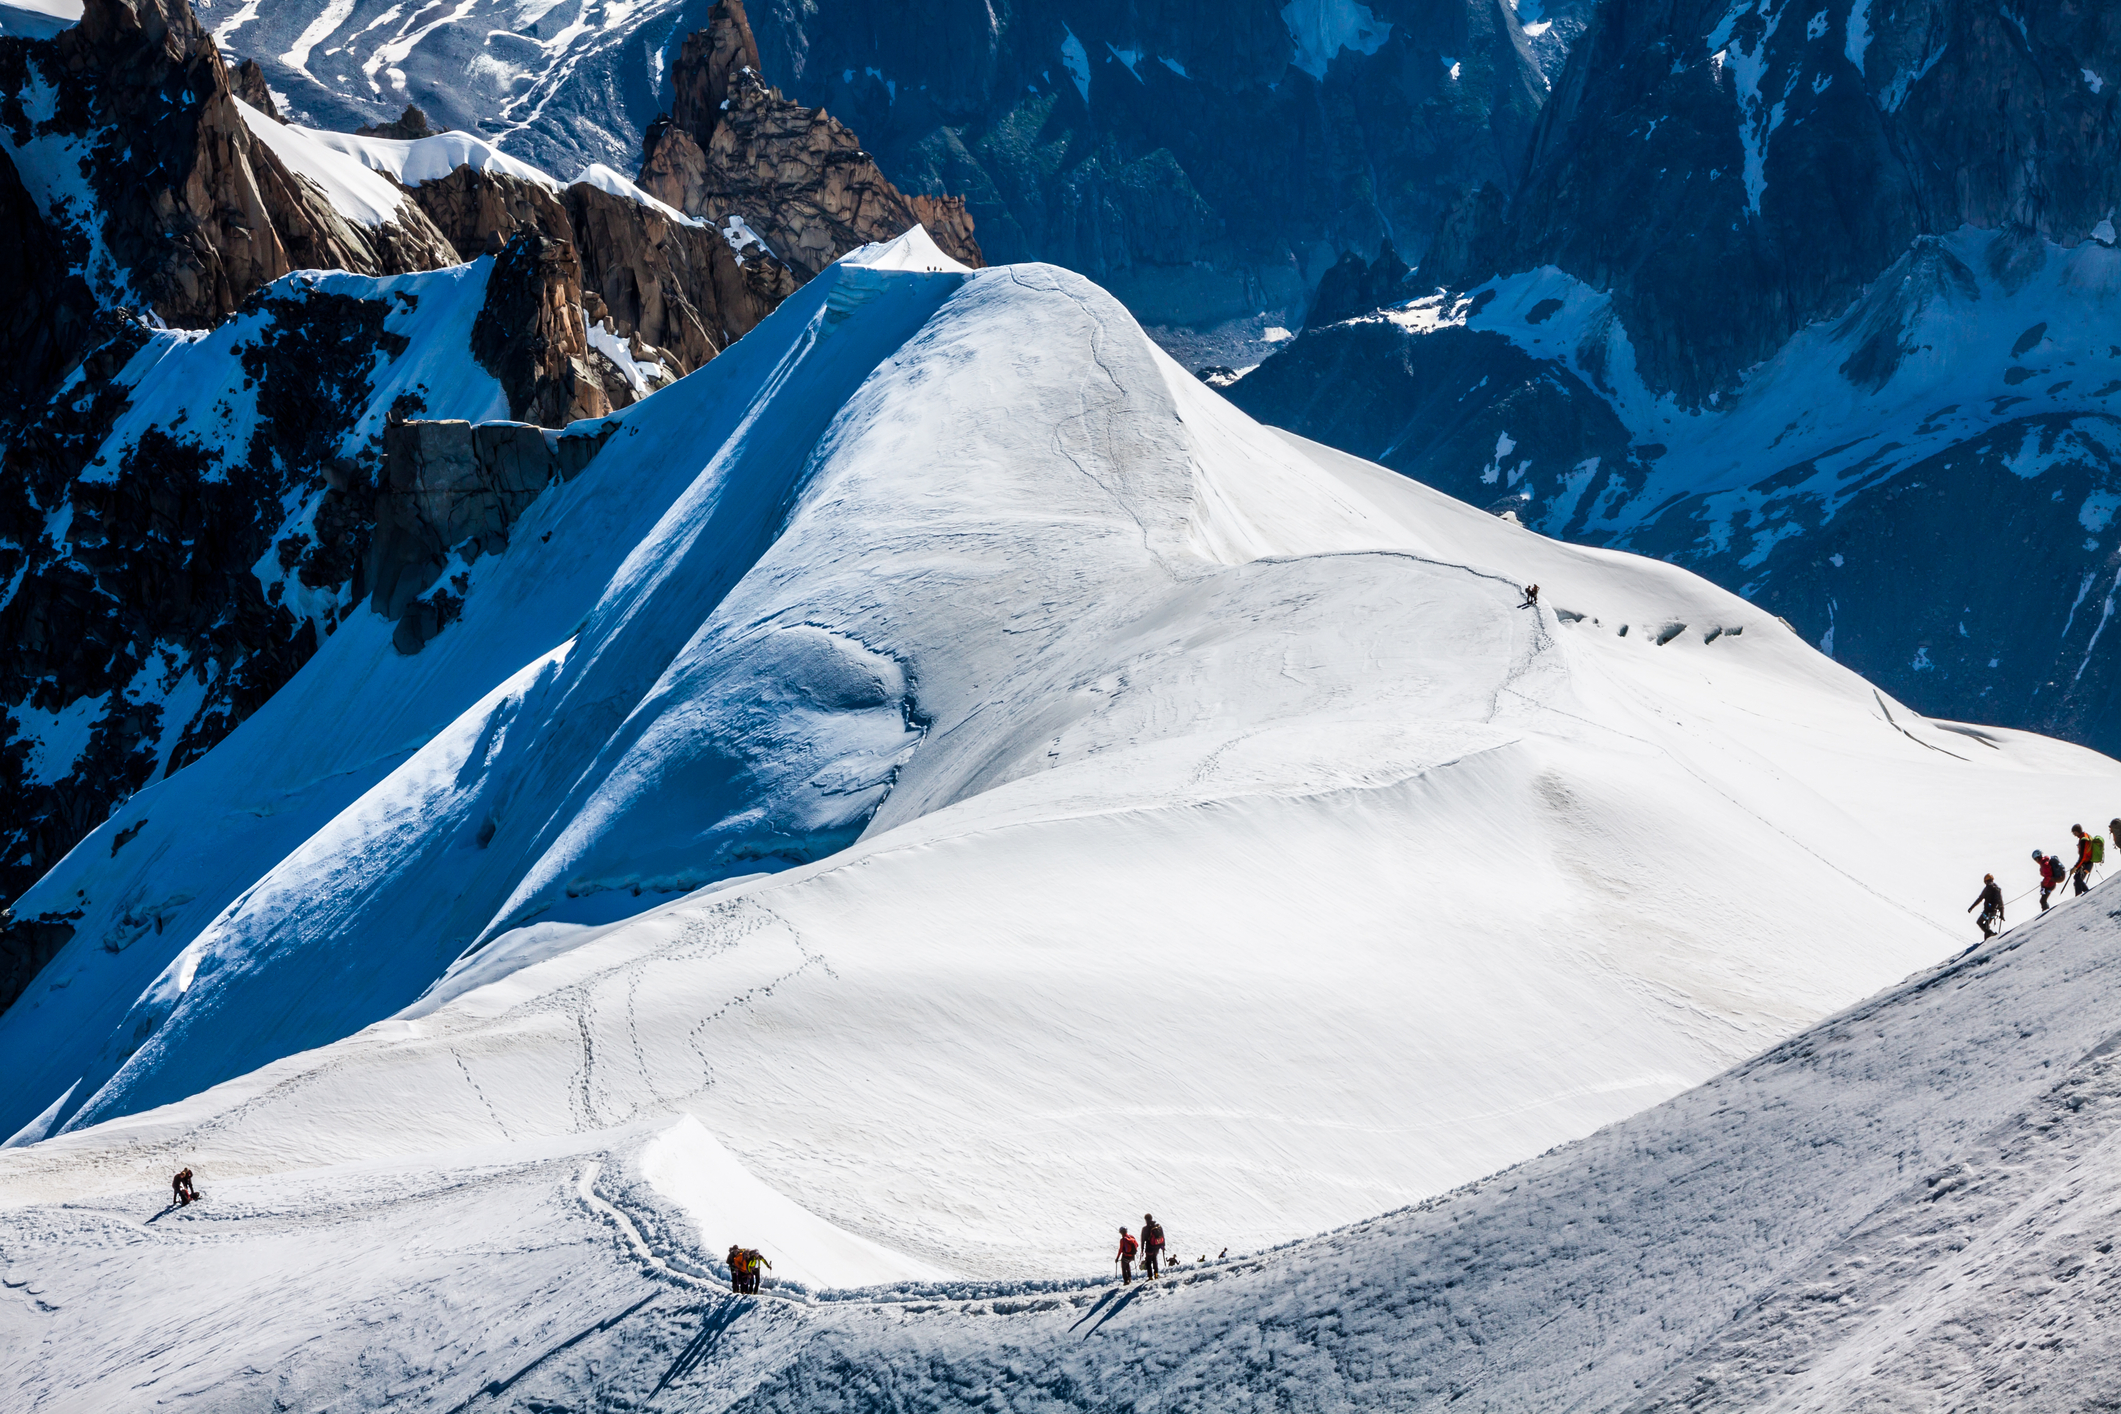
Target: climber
736, 1268
2089, 851
1152, 1245
1990, 903
181, 1191
1127, 1248
2051, 874
1531, 597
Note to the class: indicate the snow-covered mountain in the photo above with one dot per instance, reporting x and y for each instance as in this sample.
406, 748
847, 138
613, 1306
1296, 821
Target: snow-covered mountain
931, 783
1206, 161
1820, 305
185, 512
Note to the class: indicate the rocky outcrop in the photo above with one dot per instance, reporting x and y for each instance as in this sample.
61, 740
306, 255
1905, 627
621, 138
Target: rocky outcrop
478, 211
531, 335
450, 492
1355, 286
733, 146
248, 83
407, 126
196, 211
679, 290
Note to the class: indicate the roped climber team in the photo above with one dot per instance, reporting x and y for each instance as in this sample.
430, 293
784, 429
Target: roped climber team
744, 1265
2091, 853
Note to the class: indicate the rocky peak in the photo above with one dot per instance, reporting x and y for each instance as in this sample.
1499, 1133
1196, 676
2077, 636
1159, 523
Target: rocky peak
531, 334
736, 146
195, 209
406, 127
710, 57
250, 86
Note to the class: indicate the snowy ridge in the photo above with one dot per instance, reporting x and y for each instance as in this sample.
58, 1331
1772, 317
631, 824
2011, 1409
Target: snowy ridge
348, 182
415, 160
943, 767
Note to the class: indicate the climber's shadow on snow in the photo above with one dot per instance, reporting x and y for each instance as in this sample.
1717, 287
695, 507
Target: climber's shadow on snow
718, 1321
1109, 1307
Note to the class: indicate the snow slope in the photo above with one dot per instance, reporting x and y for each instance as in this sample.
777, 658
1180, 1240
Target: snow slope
941, 778
1910, 1205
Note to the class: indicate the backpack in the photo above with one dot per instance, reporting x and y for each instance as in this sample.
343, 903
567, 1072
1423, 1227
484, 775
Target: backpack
2098, 849
1127, 1246
2051, 871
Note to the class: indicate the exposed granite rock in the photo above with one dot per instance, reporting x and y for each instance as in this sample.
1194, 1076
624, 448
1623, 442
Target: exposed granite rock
26, 945
678, 290
195, 210
249, 85
735, 146
530, 333
478, 211
450, 491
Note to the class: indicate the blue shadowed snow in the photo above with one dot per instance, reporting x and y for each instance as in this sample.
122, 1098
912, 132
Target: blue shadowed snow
783, 765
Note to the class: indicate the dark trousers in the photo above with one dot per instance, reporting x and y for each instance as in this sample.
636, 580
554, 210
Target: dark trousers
2045, 890
1126, 1270
2081, 877
1151, 1260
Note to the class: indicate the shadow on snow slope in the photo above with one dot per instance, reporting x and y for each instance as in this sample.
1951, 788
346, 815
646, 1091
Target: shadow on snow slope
608, 579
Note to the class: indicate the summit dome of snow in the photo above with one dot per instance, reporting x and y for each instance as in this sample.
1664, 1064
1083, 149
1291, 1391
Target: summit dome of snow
951, 779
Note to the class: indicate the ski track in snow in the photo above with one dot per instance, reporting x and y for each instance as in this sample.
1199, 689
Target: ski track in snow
940, 781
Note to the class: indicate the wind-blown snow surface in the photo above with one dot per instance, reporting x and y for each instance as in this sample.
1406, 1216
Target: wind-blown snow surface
1092, 801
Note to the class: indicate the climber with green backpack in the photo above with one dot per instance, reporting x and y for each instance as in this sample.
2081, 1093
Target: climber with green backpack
2091, 850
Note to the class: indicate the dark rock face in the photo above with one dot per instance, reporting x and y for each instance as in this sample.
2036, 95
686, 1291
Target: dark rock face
1204, 161
679, 290
448, 487
531, 336
408, 125
1355, 286
1732, 175
248, 83
734, 146
47, 314
195, 212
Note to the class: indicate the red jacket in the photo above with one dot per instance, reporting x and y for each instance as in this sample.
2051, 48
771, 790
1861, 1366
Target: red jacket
1127, 1246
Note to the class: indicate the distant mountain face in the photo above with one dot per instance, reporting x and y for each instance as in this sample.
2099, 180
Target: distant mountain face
1206, 160
1819, 303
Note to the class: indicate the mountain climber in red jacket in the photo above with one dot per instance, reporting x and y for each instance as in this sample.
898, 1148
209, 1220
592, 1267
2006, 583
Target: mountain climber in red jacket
1127, 1248
2051, 874
1152, 1246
